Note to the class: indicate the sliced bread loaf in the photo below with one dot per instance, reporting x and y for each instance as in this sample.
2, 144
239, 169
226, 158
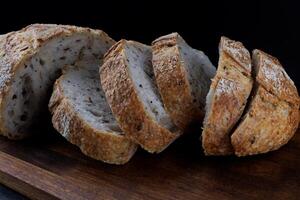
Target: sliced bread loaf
82, 115
128, 82
30, 61
227, 97
273, 114
183, 76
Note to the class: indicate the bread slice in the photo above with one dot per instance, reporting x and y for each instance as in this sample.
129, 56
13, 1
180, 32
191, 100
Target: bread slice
183, 76
227, 97
30, 61
82, 115
273, 114
128, 82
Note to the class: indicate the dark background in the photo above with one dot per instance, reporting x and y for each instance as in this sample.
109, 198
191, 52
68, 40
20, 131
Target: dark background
267, 25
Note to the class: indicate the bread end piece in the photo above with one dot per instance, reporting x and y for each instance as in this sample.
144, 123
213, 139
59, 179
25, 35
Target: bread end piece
273, 114
269, 124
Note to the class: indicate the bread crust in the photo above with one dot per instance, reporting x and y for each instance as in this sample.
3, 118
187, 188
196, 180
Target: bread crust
100, 145
273, 115
238, 53
269, 124
229, 92
271, 75
173, 83
17, 47
126, 106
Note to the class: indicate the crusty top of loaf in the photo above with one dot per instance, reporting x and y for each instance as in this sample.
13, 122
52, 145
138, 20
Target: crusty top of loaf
173, 37
238, 52
18, 47
271, 75
15, 47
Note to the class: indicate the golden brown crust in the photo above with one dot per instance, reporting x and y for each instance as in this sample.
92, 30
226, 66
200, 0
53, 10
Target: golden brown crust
272, 76
273, 115
126, 105
17, 47
100, 145
229, 92
238, 53
172, 82
269, 124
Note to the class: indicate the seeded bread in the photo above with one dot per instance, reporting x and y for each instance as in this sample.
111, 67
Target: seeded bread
273, 114
30, 62
128, 82
183, 76
86, 119
227, 97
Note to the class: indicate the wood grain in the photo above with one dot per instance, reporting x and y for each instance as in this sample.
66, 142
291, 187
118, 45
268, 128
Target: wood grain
47, 167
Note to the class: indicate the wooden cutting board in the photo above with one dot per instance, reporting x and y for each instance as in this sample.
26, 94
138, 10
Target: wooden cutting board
50, 168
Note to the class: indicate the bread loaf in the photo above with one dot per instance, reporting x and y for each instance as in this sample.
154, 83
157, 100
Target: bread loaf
183, 76
273, 114
128, 82
30, 61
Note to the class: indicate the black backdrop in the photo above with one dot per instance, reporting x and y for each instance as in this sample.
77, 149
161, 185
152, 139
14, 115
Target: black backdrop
268, 25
